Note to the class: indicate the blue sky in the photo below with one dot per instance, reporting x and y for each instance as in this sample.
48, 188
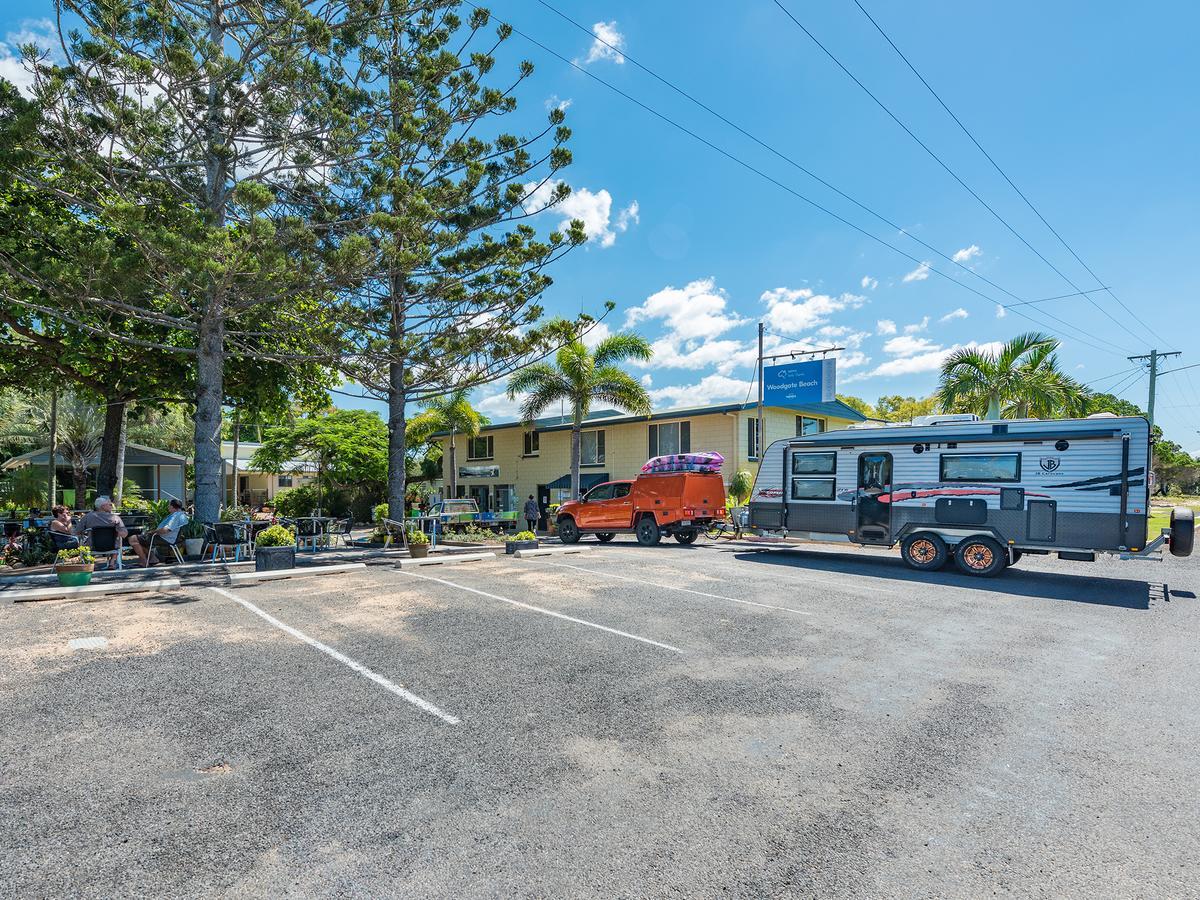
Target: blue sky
1089, 107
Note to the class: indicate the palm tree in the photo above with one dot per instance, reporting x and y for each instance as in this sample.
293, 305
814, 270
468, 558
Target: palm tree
80, 430
579, 377
1021, 380
453, 413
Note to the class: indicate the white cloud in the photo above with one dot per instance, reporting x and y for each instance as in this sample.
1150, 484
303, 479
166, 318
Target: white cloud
497, 407
606, 45
869, 283
920, 273
907, 345
885, 326
695, 311
710, 389
593, 209
796, 310
647, 380
917, 326
966, 254
42, 34
594, 335
852, 359
928, 361
1001, 312
554, 102
959, 313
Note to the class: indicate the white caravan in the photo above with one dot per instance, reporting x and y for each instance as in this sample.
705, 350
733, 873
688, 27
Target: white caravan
984, 492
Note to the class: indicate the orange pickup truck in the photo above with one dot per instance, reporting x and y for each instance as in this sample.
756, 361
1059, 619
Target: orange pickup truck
676, 503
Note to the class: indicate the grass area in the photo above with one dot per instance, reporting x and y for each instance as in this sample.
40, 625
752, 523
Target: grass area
1160, 512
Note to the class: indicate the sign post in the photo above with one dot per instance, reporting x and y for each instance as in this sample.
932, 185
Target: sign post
795, 384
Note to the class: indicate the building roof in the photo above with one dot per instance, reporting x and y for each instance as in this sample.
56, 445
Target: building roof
141, 455
833, 408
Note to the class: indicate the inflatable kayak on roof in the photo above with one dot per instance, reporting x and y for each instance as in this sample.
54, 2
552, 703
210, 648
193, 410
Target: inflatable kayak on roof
706, 461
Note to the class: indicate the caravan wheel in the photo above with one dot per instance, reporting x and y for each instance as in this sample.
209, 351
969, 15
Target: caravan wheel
980, 556
924, 551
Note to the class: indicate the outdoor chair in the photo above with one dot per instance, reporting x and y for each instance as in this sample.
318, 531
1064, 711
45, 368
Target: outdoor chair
60, 541
103, 541
393, 530
226, 535
158, 542
340, 530
309, 532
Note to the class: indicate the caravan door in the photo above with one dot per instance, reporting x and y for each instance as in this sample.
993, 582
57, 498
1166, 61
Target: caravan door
874, 482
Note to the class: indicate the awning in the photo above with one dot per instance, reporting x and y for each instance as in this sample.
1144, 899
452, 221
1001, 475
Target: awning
587, 480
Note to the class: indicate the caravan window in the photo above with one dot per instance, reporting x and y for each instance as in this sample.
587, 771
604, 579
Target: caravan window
812, 488
981, 467
814, 464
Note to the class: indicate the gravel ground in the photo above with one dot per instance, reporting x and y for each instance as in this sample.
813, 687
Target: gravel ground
720, 719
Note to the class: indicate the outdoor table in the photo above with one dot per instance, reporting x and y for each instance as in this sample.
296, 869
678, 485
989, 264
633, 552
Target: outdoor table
320, 528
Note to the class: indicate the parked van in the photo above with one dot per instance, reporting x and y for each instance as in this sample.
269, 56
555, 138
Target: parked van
680, 504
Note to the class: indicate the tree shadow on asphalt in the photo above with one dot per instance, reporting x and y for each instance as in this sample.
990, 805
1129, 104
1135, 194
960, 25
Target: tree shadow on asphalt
1017, 582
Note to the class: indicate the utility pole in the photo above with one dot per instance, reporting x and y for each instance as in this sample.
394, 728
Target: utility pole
1153, 356
758, 425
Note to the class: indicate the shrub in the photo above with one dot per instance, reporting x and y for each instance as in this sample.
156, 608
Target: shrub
380, 512
136, 505
76, 556
297, 501
275, 536
740, 487
521, 536
234, 513
417, 537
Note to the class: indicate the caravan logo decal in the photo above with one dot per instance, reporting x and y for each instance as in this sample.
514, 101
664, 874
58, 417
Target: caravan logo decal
1049, 463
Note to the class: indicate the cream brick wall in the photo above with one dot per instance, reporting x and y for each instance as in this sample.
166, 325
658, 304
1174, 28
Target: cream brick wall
626, 448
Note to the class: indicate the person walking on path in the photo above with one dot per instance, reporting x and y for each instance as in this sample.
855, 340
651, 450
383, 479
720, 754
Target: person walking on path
532, 513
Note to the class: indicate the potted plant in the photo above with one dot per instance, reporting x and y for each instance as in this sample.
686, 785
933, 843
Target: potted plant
74, 567
418, 543
275, 549
193, 538
522, 540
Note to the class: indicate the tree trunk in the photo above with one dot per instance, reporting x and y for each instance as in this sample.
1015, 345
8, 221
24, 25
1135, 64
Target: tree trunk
210, 340
576, 437
236, 437
397, 403
52, 468
112, 450
79, 481
993, 410
454, 465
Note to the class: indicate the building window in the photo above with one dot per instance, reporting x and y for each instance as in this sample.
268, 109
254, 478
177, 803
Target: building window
285, 481
981, 467
591, 448
809, 425
670, 438
532, 443
480, 447
752, 439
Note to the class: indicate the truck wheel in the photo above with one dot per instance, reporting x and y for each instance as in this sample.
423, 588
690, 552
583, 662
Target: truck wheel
687, 536
924, 551
605, 536
1183, 531
981, 556
647, 532
568, 531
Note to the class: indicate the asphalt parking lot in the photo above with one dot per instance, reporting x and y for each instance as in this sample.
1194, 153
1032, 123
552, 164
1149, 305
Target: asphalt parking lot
722, 719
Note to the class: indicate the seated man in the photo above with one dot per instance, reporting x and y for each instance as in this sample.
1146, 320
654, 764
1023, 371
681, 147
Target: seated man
102, 516
168, 531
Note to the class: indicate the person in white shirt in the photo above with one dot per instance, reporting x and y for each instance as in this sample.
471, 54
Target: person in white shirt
168, 530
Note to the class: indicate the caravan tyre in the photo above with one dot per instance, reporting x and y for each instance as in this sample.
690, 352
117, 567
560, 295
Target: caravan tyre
687, 535
605, 536
980, 556
1183, 531
924, 551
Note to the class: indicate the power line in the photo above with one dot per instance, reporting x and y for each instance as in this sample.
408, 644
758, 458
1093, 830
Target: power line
1074, 330
940, 161
1004, 174
813, 175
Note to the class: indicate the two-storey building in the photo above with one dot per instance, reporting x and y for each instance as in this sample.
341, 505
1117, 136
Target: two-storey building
508, 462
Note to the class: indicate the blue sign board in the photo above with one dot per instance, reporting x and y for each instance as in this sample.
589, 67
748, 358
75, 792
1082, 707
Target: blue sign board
793, 385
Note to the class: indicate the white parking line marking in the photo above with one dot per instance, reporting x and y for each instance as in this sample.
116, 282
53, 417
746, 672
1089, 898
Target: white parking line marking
546, 612
358, 667
671, 587
88, 643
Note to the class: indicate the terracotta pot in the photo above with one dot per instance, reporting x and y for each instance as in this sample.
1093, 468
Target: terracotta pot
418, 551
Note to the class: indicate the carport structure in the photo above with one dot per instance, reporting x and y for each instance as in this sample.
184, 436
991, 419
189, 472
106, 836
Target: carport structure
721, 718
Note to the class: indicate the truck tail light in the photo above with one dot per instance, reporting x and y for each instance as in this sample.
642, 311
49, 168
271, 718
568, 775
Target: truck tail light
688, 511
